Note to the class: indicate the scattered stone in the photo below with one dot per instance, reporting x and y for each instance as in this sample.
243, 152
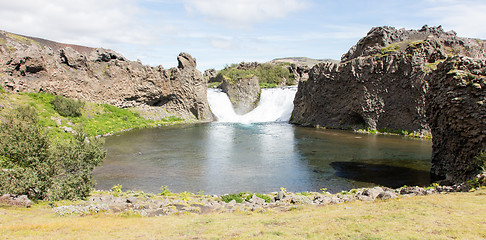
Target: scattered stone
15, 200
385, 195
280, 196
256, 200
152, 205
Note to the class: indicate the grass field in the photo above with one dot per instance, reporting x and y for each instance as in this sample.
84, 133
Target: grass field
441, 216
97, 119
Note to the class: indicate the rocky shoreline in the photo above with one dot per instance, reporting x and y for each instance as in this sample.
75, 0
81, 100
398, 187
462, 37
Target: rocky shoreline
154, 205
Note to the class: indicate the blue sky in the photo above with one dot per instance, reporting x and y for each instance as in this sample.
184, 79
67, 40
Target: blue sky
220, 32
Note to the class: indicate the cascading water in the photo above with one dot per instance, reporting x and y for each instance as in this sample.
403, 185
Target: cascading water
276, 105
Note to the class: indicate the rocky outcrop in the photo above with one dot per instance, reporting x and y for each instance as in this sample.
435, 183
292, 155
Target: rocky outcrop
102, 76
243, 93
210, 75
300, 72
456, 112
380, 83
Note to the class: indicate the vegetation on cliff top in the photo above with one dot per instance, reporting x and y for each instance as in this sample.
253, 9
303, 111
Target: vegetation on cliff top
269, 75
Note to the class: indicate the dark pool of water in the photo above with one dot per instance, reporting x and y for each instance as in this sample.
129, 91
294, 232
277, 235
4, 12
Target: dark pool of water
222, 158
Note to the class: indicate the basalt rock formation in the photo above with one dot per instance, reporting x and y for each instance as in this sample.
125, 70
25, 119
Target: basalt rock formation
243, 93
380, 83
420, 81
103, 76
456, 112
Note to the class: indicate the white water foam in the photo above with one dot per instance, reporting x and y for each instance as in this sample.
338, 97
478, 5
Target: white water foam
276, 105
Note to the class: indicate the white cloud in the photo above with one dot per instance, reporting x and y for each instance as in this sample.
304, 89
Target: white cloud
225, 43
243, 13
467, 18
87, 22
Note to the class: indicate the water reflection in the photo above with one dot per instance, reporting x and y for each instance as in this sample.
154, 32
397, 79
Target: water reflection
230, 157
381, 174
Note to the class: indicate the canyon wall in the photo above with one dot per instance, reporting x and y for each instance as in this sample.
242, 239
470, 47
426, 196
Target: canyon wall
422, 81
380, 83
456, 112
103, 76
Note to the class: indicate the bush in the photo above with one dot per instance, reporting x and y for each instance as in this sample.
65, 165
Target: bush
275, 74
229, 197
33, 165
269, 75
67, 107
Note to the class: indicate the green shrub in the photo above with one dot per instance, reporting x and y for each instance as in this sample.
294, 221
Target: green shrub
67, 107
481, 160
1, 89
229, 197
269, 75
33, 165
274, 74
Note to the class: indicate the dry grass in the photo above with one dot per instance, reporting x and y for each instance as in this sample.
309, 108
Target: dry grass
457, 215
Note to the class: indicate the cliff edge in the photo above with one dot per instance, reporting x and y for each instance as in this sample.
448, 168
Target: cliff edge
99, 75
380, 83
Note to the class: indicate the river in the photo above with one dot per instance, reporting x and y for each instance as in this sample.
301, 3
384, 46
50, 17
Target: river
259, 152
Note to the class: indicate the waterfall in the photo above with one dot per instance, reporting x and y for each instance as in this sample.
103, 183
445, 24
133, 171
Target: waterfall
276, 105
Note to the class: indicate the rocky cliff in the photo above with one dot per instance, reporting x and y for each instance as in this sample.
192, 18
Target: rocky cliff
456, 112
380, 83
99, 75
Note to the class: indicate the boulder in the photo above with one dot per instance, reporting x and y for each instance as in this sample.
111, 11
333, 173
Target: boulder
15, 200
186, 61
243, 93
210, 75
256, 200
388, 194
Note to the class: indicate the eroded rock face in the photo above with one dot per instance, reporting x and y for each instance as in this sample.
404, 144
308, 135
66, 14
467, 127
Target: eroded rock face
102, 76
244, 93
456, 112
380, 83
300, 72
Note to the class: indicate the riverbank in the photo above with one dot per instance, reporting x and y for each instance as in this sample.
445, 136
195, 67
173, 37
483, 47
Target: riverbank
96, 119
143, 204
434, 216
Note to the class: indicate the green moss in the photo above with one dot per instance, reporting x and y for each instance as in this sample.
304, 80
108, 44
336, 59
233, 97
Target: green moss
432, 66
390, 48
416, 44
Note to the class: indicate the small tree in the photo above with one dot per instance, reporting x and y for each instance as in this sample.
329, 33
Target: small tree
67, 107
30, 164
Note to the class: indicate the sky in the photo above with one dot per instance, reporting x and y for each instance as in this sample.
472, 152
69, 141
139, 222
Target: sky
221, 32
